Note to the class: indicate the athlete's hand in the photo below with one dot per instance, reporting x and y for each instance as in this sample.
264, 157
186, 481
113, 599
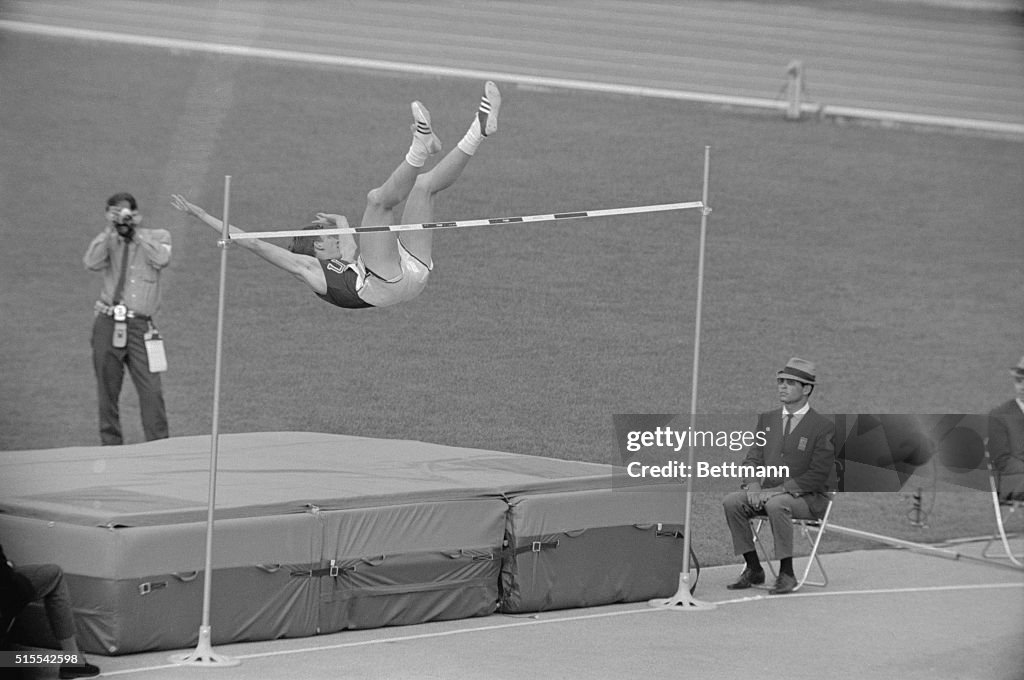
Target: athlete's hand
331, 220
183, 204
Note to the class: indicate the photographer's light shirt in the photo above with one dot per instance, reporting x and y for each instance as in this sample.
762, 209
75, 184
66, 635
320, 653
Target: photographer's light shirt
148, 253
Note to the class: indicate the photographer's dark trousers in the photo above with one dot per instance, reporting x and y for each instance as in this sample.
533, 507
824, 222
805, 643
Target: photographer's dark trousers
109, 363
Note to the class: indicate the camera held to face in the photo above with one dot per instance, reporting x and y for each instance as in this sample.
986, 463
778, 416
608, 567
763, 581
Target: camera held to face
124, 220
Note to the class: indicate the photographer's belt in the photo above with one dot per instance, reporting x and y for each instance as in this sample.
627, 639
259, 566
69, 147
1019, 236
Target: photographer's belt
109, 310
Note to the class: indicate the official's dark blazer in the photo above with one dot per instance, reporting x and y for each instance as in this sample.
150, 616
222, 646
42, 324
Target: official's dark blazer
1006, 441
809, 452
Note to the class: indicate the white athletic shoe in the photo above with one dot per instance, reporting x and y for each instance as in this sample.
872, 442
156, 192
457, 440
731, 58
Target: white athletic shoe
490, 103
422, 130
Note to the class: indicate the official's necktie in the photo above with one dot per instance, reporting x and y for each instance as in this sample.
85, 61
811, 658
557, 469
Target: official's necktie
786, 426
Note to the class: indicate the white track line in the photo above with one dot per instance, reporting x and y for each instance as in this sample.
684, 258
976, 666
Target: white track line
997, 127
579, 617
874, 591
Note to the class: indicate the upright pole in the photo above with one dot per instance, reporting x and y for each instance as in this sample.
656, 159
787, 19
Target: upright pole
795, 89
683, 599
203, 655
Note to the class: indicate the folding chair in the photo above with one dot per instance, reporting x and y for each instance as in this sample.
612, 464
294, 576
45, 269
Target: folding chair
1004, 510
805, 526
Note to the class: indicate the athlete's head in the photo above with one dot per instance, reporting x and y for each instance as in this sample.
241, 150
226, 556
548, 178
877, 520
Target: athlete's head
334, 246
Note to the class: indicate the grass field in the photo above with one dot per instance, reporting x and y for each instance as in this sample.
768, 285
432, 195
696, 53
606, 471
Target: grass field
890, 257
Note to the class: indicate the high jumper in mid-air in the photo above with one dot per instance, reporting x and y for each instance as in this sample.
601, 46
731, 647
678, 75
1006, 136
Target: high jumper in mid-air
381, 268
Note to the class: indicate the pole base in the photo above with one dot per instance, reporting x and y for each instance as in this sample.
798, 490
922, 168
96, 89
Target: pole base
683, 600
203, 654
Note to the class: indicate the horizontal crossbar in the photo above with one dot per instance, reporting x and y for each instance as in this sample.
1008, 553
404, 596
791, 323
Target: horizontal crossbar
491, 221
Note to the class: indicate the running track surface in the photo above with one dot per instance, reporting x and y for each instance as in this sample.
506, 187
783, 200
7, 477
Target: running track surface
945, 59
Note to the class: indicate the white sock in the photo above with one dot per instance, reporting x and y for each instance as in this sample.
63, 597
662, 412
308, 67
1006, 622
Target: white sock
418, 152
471, 141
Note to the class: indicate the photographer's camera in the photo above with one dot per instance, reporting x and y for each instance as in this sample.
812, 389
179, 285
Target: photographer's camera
125, 218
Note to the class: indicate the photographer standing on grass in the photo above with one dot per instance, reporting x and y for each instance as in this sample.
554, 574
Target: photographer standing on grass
130, 259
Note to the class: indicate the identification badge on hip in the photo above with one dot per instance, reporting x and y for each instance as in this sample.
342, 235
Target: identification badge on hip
120, 339
155, 352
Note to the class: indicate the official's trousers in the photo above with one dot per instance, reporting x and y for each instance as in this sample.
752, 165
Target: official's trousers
780, 510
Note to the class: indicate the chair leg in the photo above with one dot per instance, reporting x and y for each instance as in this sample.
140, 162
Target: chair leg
812, 559
1001, 518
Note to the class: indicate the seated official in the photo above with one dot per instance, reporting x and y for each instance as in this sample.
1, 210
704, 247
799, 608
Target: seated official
1006, 439
800, 438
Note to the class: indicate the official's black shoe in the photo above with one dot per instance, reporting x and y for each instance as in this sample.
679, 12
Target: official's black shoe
85, 670
785, 583
748, 578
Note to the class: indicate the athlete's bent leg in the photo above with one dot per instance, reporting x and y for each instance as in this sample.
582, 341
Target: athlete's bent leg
380, 250
420, 205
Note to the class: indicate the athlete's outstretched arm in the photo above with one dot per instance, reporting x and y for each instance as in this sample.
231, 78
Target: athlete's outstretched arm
305, 268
